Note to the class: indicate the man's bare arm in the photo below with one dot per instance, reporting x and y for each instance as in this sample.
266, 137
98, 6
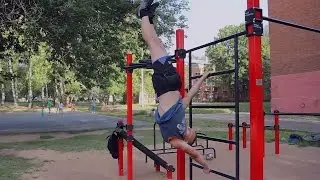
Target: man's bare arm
194, 89
193, 153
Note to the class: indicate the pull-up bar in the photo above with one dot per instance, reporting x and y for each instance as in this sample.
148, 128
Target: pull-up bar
145, 64
215, 172
215, 73
291, 24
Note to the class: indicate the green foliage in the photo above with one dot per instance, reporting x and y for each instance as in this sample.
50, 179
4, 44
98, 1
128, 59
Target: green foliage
81, 44
42, 68
221, 57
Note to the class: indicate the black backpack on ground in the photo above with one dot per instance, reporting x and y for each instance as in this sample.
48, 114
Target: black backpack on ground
113, 145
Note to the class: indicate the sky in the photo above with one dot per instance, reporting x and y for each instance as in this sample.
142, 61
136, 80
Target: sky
206, 17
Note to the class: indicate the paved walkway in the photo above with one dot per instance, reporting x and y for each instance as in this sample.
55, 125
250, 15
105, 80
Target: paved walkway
33, 122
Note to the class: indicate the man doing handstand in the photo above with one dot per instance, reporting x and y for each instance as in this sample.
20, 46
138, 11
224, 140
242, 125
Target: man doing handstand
170, 113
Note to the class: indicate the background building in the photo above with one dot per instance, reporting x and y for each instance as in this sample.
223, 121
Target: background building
295, 56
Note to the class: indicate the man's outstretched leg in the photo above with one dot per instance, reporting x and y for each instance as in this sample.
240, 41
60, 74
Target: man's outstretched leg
155, 45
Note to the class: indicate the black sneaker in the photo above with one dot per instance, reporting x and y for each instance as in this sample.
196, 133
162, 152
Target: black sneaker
144, 6
151, 11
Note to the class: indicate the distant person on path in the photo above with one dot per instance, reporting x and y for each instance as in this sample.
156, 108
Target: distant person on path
61, 107
93, 106
49, 104
73, 106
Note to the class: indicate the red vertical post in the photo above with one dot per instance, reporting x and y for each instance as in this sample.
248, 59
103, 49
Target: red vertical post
256, 102
129, 117
244, 135
120, 157
230, 125
169, 175
180, 69
276, 133
157, 167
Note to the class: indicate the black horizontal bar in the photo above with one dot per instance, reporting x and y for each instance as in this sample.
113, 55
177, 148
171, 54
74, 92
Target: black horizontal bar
148, 152
174, 148
145, 61
170, 152
199, 106
215, 73
216, 139
217, 41
137, 66
294, 114
149, 61
265, 127
215, 172
291, 24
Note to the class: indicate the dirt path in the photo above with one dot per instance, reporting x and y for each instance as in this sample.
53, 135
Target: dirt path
292, 163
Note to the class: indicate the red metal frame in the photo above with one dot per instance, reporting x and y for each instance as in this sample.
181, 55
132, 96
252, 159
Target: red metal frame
276, 133
169, 175
157, 168
244, 135
180, 69
120, 158
230, 126
256, 103
129, 117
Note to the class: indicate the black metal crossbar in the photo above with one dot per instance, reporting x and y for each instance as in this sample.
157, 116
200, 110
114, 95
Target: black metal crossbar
215, 73
216, 139
291, 24
148, 152
214, 172
217, 41
293, 114
204, 106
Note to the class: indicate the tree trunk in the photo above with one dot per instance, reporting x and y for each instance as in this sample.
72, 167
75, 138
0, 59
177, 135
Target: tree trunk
30, 94
12, 84
56, 92
47, 92
42, 95
3, 94
113, 99
61, 89
108, 99
16, 88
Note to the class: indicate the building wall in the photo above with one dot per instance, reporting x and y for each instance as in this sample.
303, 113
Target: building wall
295, 56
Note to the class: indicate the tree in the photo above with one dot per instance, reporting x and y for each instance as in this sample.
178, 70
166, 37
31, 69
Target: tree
221, 57
39, 70
87, 40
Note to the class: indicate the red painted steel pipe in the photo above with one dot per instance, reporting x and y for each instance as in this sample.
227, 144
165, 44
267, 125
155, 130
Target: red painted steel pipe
120, 153
129, 117
276, 133
157, 167
256, 102
230, 126
244, 135
180, 69
169, 175
120, 158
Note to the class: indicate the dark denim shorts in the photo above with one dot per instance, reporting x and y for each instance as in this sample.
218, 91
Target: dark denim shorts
172, 123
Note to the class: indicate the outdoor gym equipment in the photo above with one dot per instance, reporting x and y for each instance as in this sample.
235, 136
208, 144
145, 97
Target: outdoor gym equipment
254, 31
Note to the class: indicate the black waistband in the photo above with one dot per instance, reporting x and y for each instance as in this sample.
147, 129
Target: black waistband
163, 68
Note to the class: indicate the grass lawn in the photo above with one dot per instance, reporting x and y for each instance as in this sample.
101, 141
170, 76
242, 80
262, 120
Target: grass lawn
98, 142
11, 167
